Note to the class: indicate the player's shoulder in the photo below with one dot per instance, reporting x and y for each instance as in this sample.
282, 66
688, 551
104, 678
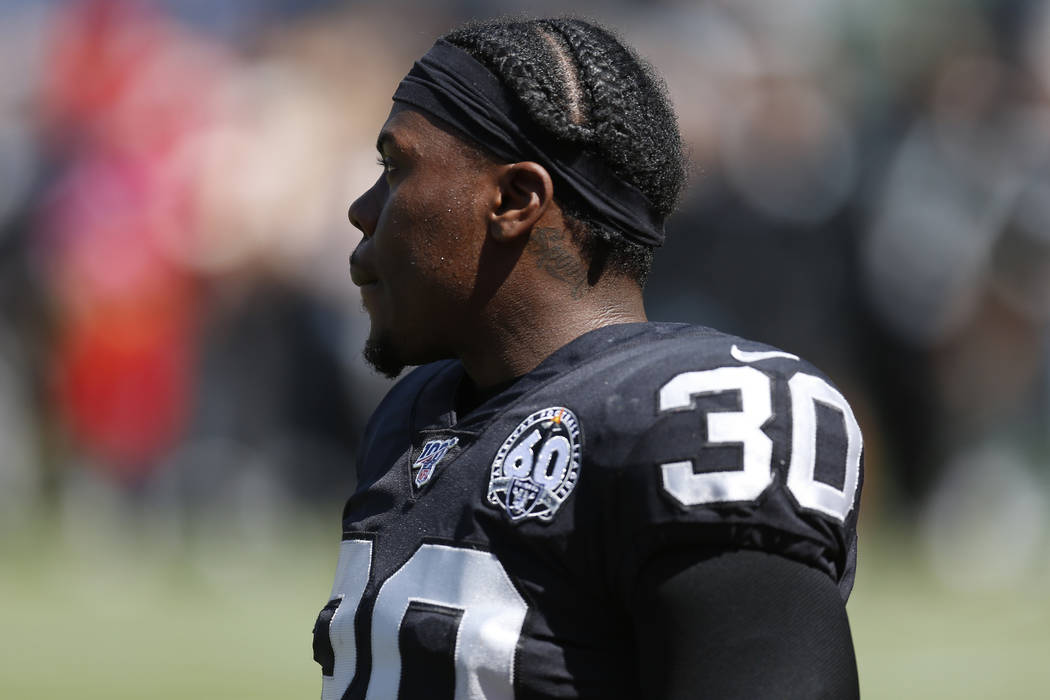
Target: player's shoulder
708, 348
662, 351
707, 438
632, 398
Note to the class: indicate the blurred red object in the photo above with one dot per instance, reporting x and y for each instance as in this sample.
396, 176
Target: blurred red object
121, 74
124, 88
126, 330
123, 385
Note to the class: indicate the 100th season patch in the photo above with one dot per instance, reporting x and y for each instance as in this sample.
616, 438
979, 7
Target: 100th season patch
538, 465
432, 453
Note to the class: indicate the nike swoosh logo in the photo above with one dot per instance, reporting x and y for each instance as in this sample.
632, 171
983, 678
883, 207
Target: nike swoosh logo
746, 356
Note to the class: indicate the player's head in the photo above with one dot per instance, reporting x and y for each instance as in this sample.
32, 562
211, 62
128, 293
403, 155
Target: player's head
559, 112
584, 89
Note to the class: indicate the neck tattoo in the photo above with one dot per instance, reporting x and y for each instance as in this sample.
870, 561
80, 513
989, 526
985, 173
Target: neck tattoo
556, 255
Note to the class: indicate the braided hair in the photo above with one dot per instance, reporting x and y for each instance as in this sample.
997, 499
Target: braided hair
583, 88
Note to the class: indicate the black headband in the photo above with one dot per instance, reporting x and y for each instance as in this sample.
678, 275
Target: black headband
449, 84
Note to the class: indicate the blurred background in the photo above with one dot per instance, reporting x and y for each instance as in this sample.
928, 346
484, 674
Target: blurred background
181, 389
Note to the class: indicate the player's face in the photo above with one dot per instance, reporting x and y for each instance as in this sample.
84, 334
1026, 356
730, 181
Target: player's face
423, 223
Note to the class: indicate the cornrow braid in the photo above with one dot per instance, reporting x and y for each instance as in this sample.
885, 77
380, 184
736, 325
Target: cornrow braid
582, 87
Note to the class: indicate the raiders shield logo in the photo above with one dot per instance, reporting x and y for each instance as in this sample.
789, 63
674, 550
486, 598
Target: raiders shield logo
538, 465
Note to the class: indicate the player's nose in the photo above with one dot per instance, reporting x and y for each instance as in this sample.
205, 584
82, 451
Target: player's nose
364, 211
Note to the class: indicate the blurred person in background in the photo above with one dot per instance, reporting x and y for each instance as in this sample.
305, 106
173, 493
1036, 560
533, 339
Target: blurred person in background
566, 500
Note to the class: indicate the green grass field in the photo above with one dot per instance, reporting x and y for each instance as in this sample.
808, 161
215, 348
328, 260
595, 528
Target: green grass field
89, 614
915, 638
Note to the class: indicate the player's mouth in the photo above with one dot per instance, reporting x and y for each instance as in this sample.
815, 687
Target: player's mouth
359, 276
365, 281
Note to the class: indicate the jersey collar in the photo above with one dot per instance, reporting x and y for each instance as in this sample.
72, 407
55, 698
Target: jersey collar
435, 411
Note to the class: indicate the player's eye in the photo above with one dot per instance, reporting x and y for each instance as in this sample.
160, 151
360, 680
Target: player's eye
385, 163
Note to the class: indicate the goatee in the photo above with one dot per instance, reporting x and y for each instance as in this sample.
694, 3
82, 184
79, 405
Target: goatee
383, 358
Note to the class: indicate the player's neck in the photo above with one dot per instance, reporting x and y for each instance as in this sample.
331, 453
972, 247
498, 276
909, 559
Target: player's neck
522, 337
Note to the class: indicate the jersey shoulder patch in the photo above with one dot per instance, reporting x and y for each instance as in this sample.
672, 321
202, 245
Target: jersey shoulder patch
537, 466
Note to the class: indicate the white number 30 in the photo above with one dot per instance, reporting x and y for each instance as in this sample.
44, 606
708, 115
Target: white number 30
744, 427
468, 581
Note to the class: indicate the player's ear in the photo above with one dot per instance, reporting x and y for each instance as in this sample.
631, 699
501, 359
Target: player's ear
524, 192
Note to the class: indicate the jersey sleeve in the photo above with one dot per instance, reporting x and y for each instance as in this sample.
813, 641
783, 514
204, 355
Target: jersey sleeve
703, 451
784, 614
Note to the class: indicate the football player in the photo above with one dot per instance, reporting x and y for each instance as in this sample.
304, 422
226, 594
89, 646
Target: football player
564, 500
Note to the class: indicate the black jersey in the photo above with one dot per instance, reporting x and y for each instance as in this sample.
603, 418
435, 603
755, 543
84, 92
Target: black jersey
495, 554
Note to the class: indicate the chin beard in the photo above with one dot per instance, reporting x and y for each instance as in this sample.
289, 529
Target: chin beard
380, 354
